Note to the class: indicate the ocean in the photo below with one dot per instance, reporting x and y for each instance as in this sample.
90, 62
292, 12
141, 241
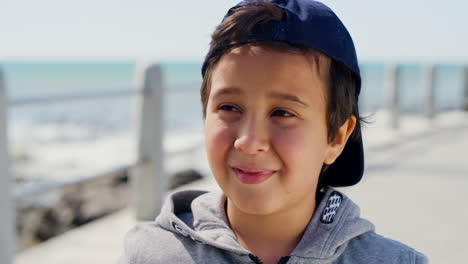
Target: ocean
181, 81
62, 123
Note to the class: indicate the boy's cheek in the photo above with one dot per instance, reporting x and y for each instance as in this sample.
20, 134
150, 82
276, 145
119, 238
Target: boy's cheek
288, 139
293, 145
218, 136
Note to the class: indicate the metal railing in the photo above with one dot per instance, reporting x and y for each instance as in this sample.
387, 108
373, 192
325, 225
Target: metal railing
72, 97
465, 85
393, 85
7, 211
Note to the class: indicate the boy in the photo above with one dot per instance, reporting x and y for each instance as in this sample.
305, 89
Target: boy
279, 94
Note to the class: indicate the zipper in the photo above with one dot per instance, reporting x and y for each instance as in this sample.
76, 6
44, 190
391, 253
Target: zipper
256, 260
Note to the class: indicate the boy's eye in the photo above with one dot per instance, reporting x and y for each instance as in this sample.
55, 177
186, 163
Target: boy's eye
229, 108
282, 113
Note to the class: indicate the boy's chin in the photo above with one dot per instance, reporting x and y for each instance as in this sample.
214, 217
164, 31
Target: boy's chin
255, 203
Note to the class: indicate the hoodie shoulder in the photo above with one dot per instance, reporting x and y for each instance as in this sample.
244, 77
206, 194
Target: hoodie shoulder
338, 234
374, 248
174, 238
147, 243
153, 242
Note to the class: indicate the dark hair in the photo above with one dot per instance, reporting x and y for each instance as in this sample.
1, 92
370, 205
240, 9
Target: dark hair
341, 97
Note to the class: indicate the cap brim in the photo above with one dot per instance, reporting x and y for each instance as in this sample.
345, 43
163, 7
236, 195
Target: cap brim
348, 168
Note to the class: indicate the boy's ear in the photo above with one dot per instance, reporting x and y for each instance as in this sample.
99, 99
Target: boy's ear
336, 146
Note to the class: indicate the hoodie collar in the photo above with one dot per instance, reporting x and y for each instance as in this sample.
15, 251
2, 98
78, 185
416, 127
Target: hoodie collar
335, 222
201, 216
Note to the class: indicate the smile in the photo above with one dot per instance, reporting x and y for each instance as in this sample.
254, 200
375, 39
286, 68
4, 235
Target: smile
252, 176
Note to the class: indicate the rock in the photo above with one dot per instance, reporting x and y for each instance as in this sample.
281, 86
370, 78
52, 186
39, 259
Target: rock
52, 213
47, 215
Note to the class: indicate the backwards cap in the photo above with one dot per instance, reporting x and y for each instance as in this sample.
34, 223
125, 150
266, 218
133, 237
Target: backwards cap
312, 24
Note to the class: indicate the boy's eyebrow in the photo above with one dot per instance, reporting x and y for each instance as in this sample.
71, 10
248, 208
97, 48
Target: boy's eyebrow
227, 91
289, 97
278, 95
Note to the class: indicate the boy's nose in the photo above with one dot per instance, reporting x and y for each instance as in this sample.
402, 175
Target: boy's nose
252, 138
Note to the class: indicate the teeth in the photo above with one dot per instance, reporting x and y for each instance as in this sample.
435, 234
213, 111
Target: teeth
249, 172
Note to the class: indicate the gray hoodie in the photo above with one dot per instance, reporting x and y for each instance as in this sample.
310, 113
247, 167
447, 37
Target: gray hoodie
193, 228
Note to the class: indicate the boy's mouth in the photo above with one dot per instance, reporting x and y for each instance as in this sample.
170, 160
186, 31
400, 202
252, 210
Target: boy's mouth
252, 175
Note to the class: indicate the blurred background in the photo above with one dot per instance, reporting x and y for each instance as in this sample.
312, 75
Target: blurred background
72, 83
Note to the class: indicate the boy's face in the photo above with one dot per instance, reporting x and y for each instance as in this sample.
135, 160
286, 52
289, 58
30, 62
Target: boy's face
266, 130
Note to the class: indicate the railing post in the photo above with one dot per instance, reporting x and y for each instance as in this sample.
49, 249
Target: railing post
429, 83
465, 84
393, 86
148, 177
7, 211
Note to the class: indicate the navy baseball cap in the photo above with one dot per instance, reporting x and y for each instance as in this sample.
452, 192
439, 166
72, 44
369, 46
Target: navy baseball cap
311, 24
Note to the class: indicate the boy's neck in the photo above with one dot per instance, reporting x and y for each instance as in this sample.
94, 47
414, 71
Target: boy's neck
272, 236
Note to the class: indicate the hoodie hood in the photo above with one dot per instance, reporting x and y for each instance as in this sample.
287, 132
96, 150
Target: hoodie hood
200, 216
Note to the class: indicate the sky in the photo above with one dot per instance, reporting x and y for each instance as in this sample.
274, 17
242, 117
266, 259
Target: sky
399, 30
